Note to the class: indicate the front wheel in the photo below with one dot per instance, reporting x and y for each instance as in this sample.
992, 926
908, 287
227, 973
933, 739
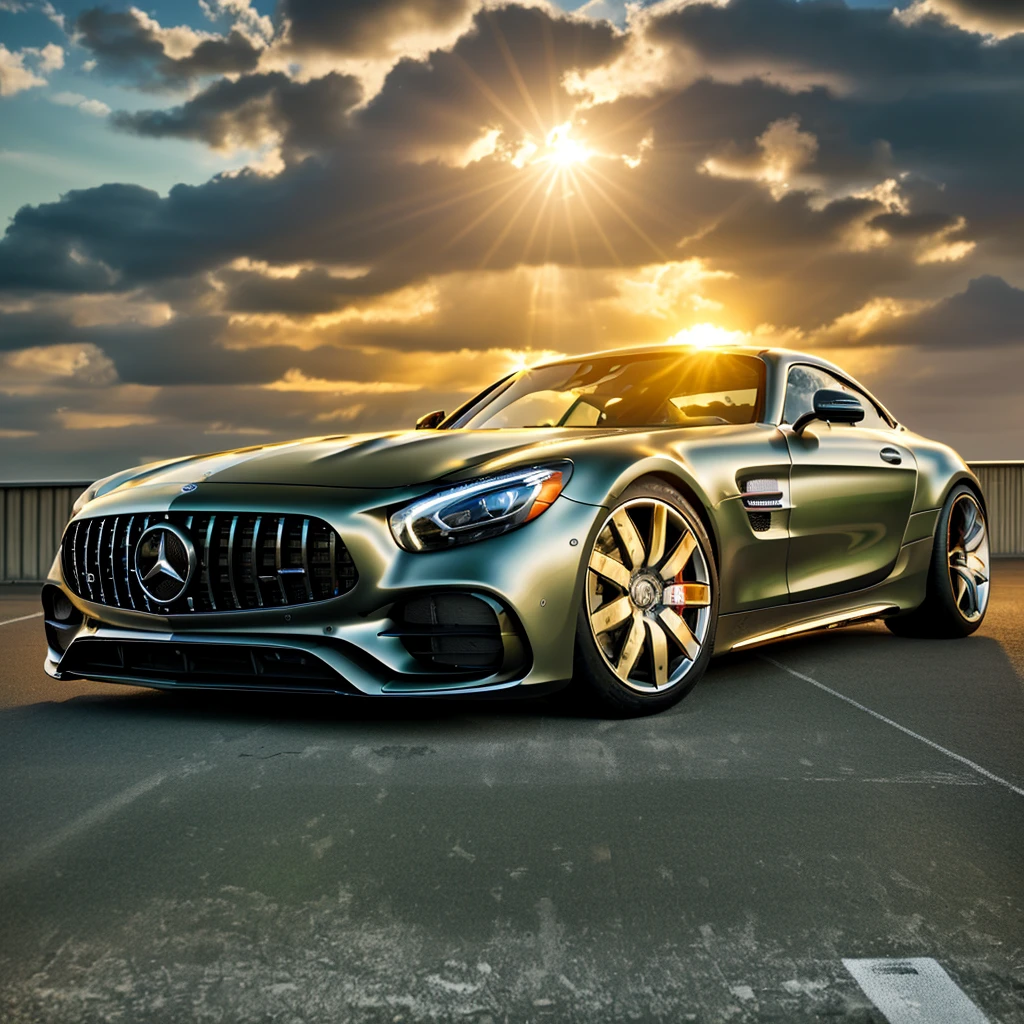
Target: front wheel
646, 625
958, 579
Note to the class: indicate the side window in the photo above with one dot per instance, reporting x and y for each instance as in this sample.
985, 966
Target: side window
803, 381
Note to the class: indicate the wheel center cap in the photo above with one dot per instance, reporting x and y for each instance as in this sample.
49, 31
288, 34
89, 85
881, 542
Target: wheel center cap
644, 591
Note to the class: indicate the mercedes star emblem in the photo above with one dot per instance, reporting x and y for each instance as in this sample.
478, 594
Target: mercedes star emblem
165, 561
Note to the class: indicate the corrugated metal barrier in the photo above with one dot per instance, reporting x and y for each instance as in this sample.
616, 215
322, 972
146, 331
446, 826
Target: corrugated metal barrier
33, 516
32, 519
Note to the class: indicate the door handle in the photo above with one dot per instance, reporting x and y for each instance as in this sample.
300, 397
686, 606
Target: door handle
891, 455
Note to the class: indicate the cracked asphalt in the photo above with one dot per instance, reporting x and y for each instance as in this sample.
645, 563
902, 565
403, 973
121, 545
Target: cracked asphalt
168, 858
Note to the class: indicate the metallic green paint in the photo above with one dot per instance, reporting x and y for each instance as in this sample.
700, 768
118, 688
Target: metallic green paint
853, 532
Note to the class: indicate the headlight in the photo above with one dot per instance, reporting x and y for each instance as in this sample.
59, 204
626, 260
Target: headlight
85, 497
480, 509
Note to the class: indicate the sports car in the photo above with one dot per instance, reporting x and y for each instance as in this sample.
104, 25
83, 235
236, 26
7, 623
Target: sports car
606, 522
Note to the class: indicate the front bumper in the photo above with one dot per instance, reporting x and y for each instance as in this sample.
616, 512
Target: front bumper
354, 644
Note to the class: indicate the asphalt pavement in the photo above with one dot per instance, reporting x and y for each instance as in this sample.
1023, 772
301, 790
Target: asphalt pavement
845, 796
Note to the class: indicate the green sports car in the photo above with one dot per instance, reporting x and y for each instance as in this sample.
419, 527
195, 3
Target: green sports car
608, 521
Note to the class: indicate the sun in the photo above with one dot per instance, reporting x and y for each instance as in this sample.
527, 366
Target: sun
707, 336
563, 151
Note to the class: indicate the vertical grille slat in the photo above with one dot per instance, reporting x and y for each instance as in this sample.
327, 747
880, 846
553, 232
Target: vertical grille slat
305, 558
85, 560
128, 559
99, 561
113, 555
231, 562
278, 556
245, 561
208, 562
254, 558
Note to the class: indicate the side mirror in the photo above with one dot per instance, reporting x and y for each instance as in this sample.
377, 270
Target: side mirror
431, 420
833, 407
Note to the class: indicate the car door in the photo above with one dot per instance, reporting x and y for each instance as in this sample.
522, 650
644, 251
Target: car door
852, 488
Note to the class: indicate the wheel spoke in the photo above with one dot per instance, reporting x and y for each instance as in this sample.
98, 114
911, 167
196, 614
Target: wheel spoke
968, 589
610, 569
631, 648
970, 518
612, 614
680, 556
659, 651
974, 541
659, 527
630, 538
977, 568
680, 631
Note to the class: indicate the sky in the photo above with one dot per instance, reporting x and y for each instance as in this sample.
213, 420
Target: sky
230, 222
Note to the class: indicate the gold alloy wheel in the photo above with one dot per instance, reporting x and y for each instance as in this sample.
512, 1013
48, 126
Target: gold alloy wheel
968, 554
648, 595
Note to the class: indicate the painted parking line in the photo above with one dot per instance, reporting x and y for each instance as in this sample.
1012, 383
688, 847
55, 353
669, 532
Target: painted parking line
973, 765
914, 991
23, 618
94, 816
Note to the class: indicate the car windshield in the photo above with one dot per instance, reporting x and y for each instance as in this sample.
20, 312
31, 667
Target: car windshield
692, 389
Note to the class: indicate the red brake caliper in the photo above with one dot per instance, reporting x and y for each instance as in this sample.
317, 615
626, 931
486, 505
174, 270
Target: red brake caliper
675, 593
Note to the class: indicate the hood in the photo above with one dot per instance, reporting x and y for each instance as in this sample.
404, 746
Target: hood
360, 460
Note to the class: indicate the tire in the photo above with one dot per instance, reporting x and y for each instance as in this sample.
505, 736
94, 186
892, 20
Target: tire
640, 647
956, 595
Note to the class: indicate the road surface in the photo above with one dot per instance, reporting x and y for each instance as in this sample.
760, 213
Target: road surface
846, 796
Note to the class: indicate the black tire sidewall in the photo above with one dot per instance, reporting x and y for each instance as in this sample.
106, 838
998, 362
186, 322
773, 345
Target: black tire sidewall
947, 620
592, 674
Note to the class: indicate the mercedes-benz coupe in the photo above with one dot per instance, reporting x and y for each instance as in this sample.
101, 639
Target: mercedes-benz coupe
608, 521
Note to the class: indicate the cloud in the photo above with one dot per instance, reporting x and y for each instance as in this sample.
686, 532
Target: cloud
999, 18
253, 110
16, 75
448, 195
865, 50
372, 28
782, 150
132, 46
988, 312
95, 108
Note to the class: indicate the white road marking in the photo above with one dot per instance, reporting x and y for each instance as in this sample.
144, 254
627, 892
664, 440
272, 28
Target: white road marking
94, 816
914, 991
896, 725
23, 618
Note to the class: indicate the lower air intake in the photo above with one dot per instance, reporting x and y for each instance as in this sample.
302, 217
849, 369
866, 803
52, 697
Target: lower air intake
452, 631
202, 664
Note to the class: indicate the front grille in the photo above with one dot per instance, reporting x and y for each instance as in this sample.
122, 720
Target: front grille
244, 560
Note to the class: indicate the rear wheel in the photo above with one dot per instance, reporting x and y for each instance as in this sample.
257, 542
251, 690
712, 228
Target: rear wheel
958, 579
646, 626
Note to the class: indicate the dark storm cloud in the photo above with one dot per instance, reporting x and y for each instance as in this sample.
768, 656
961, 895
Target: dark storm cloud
366, 27
126, 46
869, 49
505, 72
306, 115
310, 291
988, 312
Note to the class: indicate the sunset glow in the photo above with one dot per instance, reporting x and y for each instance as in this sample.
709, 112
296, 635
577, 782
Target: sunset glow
310, 212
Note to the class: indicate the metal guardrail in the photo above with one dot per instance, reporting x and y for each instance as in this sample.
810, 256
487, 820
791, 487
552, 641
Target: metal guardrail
33, 516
